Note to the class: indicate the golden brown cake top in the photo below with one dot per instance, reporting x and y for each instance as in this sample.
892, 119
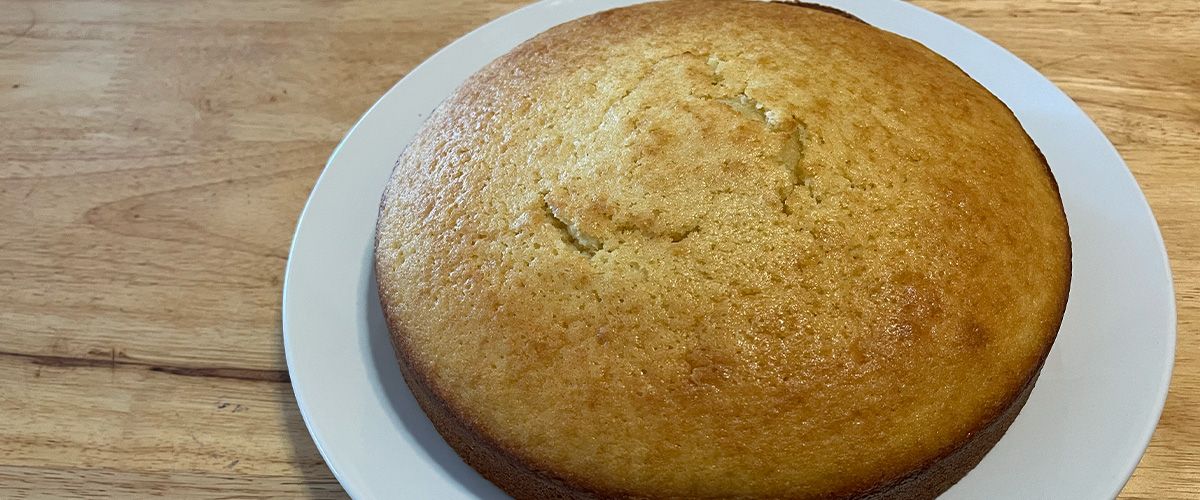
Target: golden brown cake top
723, 248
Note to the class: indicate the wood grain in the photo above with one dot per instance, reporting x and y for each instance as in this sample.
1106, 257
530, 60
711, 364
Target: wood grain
154, 157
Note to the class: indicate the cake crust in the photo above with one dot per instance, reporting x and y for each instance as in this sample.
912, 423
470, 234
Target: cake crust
516, 278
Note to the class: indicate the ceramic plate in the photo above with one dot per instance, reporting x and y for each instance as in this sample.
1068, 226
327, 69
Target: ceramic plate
1080, 436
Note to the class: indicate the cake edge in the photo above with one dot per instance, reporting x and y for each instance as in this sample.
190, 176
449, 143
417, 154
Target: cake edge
521, 479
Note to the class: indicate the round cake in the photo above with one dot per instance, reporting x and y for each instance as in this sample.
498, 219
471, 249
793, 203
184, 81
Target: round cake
696, 249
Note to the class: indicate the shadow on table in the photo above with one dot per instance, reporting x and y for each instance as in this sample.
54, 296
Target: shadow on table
318, 481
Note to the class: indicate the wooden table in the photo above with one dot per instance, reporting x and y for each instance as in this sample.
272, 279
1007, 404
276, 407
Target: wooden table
154, 157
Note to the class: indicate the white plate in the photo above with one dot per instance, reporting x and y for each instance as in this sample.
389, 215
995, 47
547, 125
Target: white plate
1080, 436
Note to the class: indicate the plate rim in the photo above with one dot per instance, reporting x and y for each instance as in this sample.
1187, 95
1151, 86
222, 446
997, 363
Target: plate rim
1169, 335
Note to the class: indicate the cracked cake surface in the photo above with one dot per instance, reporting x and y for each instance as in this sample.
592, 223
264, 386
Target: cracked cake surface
721, 249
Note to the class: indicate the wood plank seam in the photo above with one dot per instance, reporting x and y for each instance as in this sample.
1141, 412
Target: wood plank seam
248, 374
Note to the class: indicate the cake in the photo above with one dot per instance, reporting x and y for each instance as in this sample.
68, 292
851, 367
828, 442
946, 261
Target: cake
722, 249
